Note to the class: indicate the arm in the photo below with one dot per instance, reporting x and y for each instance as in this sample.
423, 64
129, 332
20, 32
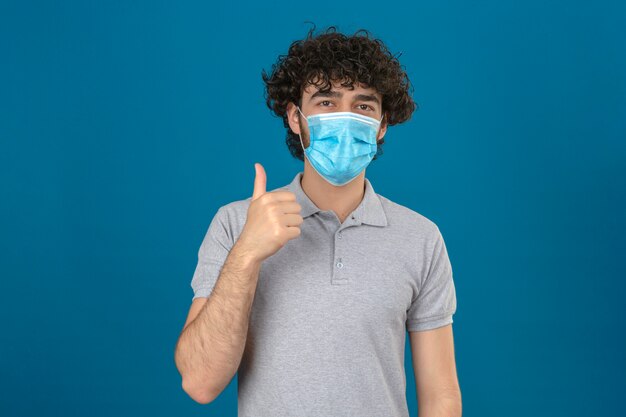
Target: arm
434, 367
211, 345
429, 323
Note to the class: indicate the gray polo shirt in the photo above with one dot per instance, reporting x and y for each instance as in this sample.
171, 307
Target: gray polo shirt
331, 308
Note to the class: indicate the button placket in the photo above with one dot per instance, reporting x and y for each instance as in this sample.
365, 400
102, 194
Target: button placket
338, 260
338, 275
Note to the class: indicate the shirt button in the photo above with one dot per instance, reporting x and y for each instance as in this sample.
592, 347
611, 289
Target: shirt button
339, 265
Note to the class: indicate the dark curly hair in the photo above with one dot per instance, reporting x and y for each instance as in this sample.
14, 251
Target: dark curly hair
333, 56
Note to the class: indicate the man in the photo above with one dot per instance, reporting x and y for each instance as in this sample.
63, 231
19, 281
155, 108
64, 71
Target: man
307, 290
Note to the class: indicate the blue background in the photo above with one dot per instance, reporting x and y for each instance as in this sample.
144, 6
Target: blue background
125, 125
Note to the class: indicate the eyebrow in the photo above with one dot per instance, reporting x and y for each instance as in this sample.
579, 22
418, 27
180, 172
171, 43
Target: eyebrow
337, 94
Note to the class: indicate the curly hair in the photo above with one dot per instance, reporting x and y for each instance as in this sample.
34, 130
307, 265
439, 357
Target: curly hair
332, 56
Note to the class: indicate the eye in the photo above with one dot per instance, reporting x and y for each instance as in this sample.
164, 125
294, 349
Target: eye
325, 101
366, 107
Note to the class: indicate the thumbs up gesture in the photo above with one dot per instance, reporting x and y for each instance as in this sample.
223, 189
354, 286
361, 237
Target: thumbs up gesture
273, 219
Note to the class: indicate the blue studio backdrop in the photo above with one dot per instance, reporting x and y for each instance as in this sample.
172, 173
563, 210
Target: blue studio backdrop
125, 125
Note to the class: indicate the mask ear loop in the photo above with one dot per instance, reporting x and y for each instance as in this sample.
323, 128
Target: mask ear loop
380, 122
300, 136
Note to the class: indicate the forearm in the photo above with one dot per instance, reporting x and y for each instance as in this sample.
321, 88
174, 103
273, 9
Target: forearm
209, 350
444, 405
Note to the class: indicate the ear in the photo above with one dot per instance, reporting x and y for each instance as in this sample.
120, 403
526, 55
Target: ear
292, 118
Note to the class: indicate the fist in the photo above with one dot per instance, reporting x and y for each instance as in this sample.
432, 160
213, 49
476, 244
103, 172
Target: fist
272, 220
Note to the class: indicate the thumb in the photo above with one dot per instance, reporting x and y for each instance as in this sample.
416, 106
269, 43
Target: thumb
260, 181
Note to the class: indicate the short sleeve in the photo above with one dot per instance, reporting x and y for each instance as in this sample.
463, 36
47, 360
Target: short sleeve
212, 254
435, 303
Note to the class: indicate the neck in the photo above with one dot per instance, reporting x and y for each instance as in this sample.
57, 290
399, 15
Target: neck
342, 200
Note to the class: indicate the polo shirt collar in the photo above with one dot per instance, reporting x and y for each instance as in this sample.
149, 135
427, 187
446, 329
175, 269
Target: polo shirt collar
369, 211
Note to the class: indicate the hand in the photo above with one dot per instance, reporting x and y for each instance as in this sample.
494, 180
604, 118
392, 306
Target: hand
273, 219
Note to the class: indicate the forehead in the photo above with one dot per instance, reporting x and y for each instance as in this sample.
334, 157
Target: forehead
359, 88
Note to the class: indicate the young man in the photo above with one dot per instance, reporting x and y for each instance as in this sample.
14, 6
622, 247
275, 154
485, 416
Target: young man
307, 290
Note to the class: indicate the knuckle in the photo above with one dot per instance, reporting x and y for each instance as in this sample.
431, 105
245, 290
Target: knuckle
272, 207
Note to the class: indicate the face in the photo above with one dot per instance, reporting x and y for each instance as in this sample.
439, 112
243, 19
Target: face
365, 101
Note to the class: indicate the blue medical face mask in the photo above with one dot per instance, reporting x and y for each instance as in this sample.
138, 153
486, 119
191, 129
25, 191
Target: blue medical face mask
341, 144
